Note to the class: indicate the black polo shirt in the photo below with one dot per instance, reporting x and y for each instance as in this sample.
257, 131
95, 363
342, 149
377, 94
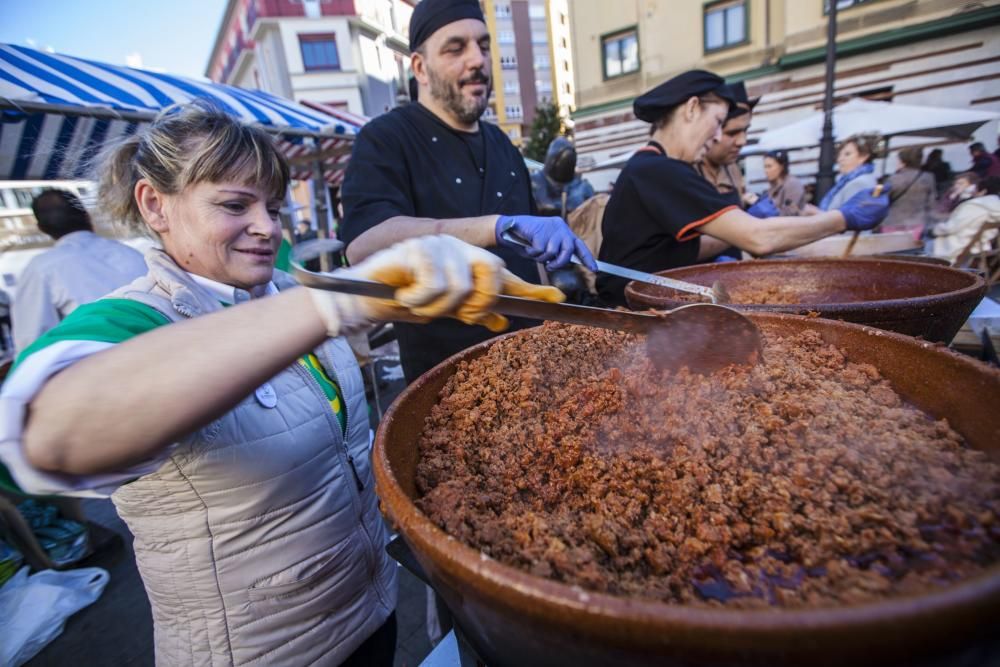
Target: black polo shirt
408, 162
651, 221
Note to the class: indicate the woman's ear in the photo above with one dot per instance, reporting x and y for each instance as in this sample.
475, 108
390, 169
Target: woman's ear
691, 109
151, 205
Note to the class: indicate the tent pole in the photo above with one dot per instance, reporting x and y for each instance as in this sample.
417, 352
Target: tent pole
320, 209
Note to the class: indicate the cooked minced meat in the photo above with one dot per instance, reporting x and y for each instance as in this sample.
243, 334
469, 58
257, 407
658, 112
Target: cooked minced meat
803, 481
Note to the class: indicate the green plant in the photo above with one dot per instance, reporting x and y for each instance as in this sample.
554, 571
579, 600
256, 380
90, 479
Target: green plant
546, 126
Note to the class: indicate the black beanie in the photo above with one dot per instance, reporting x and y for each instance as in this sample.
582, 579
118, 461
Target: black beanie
430, 15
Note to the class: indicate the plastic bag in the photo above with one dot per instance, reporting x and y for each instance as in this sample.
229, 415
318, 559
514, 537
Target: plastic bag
33, 610
64, 541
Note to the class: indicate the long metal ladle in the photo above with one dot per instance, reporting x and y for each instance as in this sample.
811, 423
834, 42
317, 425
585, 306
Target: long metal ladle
702, 337
717, 293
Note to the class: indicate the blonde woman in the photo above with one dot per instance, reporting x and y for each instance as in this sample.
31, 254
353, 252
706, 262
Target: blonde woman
857, 173
214, 402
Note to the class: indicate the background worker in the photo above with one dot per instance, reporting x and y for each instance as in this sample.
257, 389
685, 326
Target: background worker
719, 164
661, 207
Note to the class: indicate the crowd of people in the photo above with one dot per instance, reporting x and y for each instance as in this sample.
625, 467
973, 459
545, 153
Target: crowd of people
217, 403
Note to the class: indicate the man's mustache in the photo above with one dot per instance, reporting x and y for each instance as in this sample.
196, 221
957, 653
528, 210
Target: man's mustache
476, 77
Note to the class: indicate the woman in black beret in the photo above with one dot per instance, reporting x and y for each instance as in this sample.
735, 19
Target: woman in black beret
662, 214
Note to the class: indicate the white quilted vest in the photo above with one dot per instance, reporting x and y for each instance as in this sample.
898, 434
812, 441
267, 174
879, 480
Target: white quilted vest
259, 540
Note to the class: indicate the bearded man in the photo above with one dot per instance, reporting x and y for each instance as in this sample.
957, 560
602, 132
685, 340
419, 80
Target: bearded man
431, 167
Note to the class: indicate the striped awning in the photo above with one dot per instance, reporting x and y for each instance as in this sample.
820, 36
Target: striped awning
57, 111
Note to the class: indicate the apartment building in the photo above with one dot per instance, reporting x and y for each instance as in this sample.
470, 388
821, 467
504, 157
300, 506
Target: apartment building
925, 52
532, 61
351, 55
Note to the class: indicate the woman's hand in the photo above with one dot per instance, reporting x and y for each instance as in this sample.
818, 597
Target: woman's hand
437, 276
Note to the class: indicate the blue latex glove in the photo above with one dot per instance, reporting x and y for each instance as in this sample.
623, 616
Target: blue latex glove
764, 208
550, 239
864, 211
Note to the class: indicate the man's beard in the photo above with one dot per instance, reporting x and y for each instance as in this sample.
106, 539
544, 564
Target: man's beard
467, 110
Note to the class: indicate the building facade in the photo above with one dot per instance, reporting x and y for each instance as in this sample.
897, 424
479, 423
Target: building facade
351, 55
942, 53
532, 61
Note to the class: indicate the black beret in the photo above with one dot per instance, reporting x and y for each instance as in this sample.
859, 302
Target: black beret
430, 15
652, 105
741, 104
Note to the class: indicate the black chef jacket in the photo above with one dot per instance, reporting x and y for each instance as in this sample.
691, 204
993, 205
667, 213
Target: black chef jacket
652, 219
408, 162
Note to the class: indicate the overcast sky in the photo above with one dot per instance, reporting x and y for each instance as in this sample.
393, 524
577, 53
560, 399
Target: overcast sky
171, 35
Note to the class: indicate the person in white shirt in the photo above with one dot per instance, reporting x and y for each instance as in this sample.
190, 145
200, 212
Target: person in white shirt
81, 267
951, 237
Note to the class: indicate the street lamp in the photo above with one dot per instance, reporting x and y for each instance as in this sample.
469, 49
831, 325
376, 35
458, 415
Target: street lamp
824, 180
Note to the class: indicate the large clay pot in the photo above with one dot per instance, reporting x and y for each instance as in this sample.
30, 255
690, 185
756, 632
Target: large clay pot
918, 299
514, 618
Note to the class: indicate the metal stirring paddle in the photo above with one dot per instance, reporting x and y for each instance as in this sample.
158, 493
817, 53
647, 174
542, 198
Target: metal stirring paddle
702, 337
717, 293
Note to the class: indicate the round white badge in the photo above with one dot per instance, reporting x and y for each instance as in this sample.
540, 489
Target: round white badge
266, 395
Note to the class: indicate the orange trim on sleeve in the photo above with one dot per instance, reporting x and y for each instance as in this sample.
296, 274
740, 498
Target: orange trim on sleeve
688, 232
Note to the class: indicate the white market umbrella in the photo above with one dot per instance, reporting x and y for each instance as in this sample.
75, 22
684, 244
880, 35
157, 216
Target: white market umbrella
885, 118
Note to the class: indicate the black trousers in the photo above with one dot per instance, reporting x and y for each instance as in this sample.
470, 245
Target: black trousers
379, 650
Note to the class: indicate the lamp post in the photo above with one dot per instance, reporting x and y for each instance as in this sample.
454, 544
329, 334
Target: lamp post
824, 180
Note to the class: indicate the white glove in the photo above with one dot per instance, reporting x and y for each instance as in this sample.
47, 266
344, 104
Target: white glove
437, 276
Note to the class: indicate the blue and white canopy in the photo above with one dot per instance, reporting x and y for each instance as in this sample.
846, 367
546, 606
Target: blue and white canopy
56, 111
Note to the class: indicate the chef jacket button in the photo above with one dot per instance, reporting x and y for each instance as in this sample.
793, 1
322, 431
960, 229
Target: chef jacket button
458, 180
499, 194
266, 395
434, 138
513, 173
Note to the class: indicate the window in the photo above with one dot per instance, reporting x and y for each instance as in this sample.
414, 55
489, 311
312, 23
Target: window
621, 53
511, 87
513, 111
536, 11
725, 25
319, 52
508, 62
543, 86
503, 11
842, 4
542, 61
539, 37
505, 36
